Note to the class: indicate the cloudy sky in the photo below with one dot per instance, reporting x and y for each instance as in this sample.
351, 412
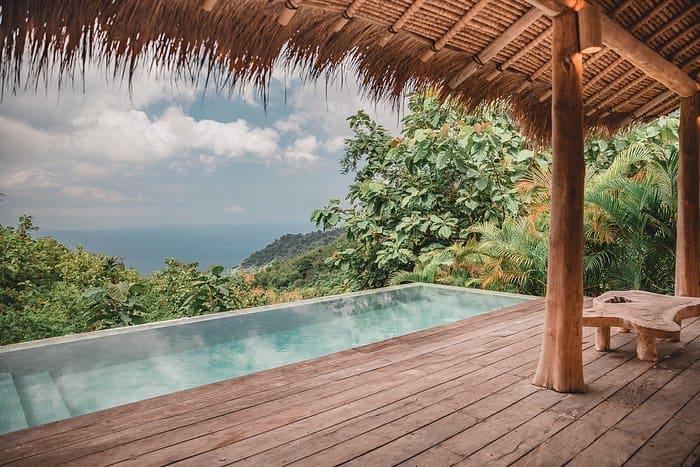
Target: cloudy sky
169, 155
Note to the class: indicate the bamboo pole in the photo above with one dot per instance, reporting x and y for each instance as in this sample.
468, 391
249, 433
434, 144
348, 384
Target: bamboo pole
454, 30
688, 226
561, 366
207, 5
521, 53
615, 94
394, 28
289, 10
651, 105
347, 15
495, 47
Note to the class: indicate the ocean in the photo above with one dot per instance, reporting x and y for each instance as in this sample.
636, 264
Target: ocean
146, 248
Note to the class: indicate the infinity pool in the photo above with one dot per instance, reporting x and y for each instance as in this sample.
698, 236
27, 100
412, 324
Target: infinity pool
49, 380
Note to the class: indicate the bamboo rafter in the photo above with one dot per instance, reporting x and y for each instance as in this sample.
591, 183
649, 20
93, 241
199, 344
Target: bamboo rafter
642, 110
534, 76
615, 94
601, 74
621, 7
347, 15
644, 19
629, 88
290, 8
669, 25
495, 47
396, 27
690, 30
521, 53
454, 30
687, 48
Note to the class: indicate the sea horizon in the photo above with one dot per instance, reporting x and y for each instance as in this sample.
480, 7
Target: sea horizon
146, 248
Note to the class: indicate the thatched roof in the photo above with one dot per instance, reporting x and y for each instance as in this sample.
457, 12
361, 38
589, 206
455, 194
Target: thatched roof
503, 46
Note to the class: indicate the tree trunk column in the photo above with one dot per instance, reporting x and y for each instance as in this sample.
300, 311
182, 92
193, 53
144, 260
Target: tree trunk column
561, 366
688, 227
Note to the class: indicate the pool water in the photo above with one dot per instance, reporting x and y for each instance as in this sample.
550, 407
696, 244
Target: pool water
60, 378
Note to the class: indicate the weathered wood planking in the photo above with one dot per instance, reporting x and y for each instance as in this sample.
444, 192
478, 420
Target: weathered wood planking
459, 393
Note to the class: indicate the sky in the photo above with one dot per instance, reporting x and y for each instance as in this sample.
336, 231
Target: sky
166, 154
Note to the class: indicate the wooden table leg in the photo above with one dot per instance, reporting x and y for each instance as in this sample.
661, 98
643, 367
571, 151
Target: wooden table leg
677, 337
602, 339
646, 347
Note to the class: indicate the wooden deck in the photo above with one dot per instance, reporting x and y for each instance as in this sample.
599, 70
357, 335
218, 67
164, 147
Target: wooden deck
457, 394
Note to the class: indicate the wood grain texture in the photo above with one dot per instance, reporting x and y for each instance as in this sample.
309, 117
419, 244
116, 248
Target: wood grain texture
560, 366
456, 394
688, 224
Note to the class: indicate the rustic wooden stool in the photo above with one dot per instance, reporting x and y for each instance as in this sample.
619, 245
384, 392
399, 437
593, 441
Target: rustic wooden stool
651, 316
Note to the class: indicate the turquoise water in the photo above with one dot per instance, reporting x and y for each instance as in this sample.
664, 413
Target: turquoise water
44, 383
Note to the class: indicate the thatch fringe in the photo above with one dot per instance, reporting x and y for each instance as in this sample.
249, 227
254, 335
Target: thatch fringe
238, 43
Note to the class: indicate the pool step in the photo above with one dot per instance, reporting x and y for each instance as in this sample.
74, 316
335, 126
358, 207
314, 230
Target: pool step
41, 399
11, 413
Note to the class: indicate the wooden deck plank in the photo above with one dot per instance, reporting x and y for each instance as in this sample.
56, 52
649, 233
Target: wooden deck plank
410, 435
676, 441
458, 393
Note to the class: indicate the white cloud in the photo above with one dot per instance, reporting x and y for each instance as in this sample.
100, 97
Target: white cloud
34, 177
234, 210
334, 145
95, 193
301, 152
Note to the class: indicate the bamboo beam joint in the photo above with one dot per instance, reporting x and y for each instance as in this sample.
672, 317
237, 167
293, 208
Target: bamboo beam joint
289, 10
207, 5
454, 30
495, 47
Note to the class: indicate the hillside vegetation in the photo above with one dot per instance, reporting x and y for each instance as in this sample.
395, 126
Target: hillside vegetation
289, 246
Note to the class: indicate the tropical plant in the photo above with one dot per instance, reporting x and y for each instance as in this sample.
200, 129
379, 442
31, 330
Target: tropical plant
421, 192
211, 293
631, 220
511, 257
115, 305
431, 267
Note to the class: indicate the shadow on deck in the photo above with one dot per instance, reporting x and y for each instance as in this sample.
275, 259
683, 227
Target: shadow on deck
456, 394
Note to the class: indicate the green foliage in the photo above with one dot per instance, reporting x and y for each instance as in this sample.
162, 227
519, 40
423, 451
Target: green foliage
600, 152
115, 305
312, 274
211, 293
421, 192
47, 289
631, 221
290, 246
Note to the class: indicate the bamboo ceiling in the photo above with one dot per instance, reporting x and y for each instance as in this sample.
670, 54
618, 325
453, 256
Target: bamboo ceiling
483, 49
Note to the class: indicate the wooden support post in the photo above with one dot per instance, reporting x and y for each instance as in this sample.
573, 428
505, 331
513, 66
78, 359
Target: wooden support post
561, 364
688, 227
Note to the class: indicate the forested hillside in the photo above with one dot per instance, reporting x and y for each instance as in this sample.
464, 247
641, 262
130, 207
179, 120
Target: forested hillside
289, 246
